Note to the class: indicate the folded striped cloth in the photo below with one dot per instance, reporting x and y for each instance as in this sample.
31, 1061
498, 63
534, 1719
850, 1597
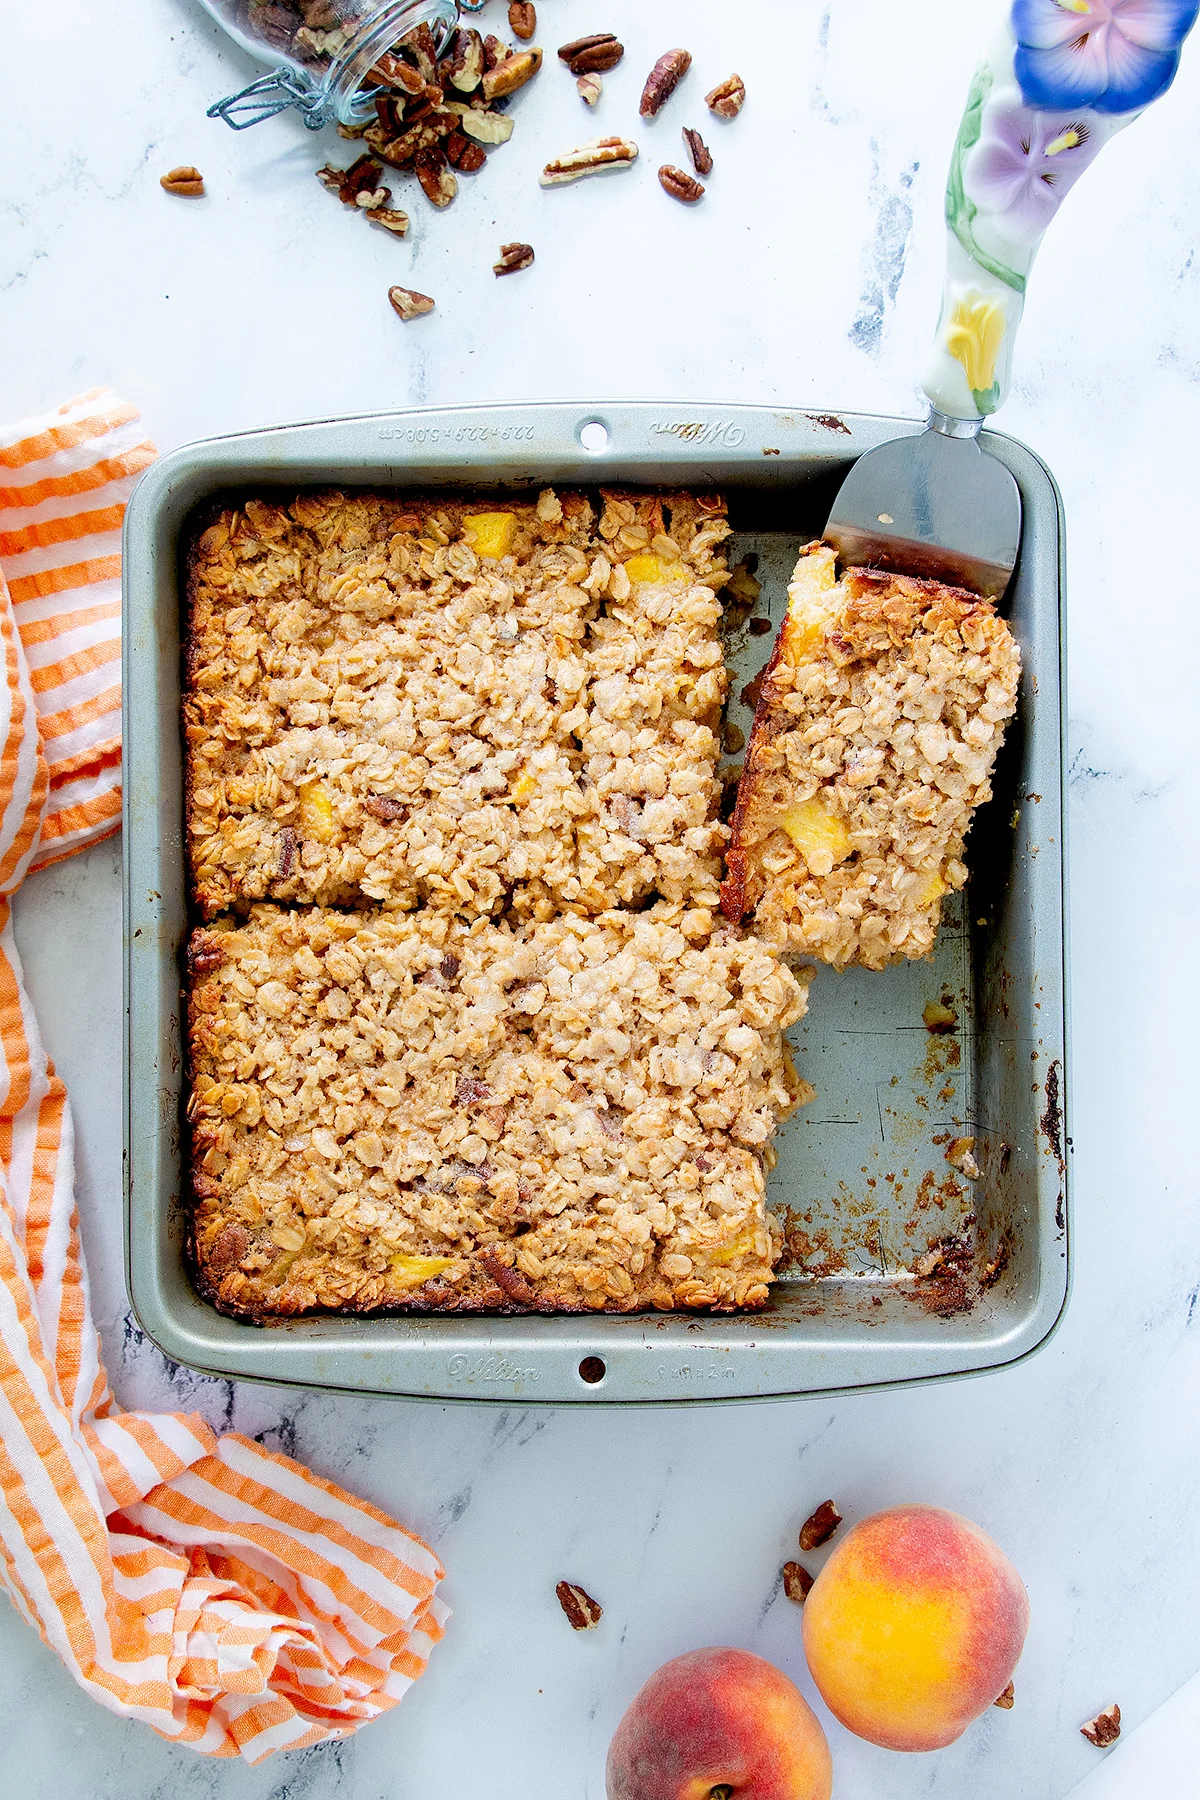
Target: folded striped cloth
221, 1593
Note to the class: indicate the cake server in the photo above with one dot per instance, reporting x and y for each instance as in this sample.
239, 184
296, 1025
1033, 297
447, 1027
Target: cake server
1062, 77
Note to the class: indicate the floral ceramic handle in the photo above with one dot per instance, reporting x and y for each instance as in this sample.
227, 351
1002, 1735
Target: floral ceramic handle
1063, 77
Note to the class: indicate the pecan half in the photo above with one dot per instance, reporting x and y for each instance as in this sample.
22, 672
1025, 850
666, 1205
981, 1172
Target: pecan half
183, 180
1105, 1728
820, 1526
589, 88
462, 154
796, 1582
698, 150
462, 65
408, 303
511, 74
662, 81
512, 258
438, 182
522, 19
1007, 1700
589, 159
679, 184
582, 1611
592, 55
727, 98
382, 806
389, 218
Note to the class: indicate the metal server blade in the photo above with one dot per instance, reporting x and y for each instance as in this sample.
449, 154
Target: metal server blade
936, 505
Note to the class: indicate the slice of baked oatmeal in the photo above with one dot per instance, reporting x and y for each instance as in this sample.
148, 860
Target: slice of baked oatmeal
430, 702
409, 1110
879, 718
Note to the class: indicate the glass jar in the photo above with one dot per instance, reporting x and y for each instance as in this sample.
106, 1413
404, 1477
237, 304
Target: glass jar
327, 53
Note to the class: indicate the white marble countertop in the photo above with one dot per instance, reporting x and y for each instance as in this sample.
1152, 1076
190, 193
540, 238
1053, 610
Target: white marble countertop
809, 277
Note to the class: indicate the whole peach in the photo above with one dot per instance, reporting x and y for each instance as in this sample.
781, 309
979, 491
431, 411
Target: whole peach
913, 1627
718, 1719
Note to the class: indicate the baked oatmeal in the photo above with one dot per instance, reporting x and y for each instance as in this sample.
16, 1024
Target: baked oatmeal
431, 703
412, 1110
879, 718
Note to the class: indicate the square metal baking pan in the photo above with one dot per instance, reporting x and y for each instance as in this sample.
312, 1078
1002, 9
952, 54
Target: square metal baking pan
862, 1179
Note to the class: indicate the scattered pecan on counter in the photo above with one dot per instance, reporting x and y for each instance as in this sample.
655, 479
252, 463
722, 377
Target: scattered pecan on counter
727, 98
680, 185
820, 1526
183, 180
662, 81
582, 1611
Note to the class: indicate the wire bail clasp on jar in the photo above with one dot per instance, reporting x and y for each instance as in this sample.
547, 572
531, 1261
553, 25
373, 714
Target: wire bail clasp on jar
328, 70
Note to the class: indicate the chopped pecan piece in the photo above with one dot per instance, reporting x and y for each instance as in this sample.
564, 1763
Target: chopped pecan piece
662, 81
388, 218
287, 852
511, 74
486, 127
468, 1091
389, 110
589, 88
408, 303
592, 55
401, 152
679, 184
590, 159
510, 1281
512, 258
1105, 1728
183, 180
820, 1526
796, 1582
382, 806
373, 200
419, 48
319, 15
204, 953
1007, 1700
275, 25
463, 63
522, 19
727, 98
360, 178
495, 50
698, 150
437, 180
582, 1611
463, 155
400, 75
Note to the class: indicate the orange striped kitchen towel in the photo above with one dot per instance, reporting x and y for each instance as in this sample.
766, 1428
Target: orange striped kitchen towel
223, 1594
